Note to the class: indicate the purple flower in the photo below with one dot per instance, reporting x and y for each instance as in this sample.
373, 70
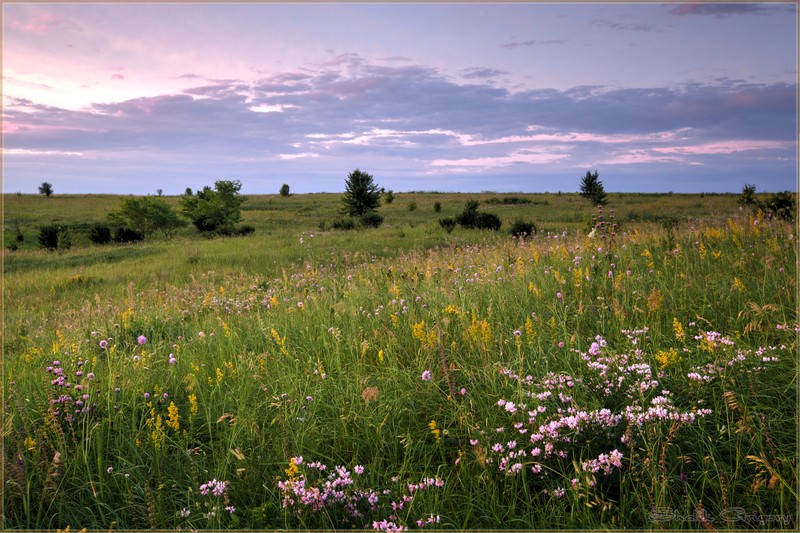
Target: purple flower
358, 469
103, 344
142, 339
172, 359
426, 375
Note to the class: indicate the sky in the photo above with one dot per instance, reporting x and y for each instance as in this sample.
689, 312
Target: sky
470, 97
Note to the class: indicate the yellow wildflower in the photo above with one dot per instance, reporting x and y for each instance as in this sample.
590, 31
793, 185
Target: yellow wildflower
192, 407
436, 432
173, 417
677, 327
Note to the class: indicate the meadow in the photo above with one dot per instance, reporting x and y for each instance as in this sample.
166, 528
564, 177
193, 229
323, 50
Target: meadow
404, 377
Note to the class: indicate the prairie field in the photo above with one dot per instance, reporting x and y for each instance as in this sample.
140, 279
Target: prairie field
639, 376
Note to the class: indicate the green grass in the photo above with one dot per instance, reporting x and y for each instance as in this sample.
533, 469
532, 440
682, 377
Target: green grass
317, 349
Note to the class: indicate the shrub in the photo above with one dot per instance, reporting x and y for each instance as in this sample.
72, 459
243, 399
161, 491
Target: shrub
522, 228
781, 204
146, 215
470, 218
748, 196
437, 207
389, 196
124, 234
48, 236
216, 210
412, 206
245, 229
371, 220
284, 190
64, 239
344, 223
488, 221
100, 233
448, 224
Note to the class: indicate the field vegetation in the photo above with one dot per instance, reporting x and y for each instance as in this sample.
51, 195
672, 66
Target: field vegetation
629, 367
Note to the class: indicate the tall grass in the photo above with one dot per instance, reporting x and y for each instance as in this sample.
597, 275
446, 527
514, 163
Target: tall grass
641, 381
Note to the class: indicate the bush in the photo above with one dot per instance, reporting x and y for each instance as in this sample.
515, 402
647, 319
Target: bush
488, 221
344, 223
448, 224
100, 233
124, 234
48, 236
412, 206
216, 210
470, 218
284, 190
371, 220
388, 197
748, 196
245, 229
64, 239
781, 205
522, 228
437, 207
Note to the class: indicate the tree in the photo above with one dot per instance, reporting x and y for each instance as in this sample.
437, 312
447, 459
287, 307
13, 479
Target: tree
146, 215
592, 188
284, 190
46, 189
216, 210
361, 194
748, 196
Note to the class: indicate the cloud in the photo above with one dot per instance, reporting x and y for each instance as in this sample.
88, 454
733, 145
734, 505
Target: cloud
533, 42
482, 73
717, 10
625, 26
406, 120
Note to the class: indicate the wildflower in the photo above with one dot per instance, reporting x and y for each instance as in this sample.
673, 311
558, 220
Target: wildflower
172, 359
426, 375
358, 469
558, 295
90, 375
103, 344
230, 508
142, 340
185, 512
216, 488
594, 349
517, 333
110, 469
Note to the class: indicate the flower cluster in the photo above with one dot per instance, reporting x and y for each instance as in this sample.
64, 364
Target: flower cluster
317, 488
216, 488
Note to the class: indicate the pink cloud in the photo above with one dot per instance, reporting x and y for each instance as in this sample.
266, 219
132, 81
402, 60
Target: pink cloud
723, 147
521, 156
117, 77
41, 23
635, 157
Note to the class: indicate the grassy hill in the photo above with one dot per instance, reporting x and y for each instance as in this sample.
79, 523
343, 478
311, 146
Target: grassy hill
405, 377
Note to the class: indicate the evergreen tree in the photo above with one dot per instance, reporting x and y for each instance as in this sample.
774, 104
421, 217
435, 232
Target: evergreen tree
592, 188
361, 194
